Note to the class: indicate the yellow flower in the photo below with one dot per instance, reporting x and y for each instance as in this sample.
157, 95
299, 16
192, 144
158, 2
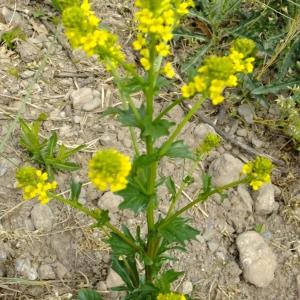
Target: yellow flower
258, 172
139, 43
171, 296
34, 184
168, 70
163, 49
108, 170
145, 63
188, 90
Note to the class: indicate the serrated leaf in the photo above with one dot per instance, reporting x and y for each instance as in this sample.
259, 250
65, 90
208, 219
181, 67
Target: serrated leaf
165, 280
179, 150
75, 190
88, 294
157, 129
119, 267
145, 160
133, 198
133, 85
119, 247
178, 231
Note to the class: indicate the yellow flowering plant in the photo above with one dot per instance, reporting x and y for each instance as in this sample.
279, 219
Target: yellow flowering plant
139, 259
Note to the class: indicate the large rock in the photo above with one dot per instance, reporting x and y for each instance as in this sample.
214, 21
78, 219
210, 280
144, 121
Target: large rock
42, 217
202, 130
86, 99
225, 169
24, 267
28, 51
265, 200
257, 259
109, 201
113, 279
247, 112
46, 272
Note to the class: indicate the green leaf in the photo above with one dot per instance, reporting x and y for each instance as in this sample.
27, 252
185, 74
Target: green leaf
88, 294
119, 247
156, 129
178, 231
62, 166
119, 267
134, 85
165, 280
179, 149
75, 190
67, 153
145, 160
171, 186
133, 198
206, 182
274, 88
102, 218
51, 145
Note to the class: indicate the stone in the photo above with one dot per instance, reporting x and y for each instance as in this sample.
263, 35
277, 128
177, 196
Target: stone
24, 267
28, 51
42, 217
225, 169
257, 142
257, 259
202, 130
11, 17
113, 279
46, 272
64, 247
245, 197
3, 167
3, 252
60, 270
27, 74
247, 112
242, 132
109, 201
265, 200
101, 286
298, 285
187, 287
85, 99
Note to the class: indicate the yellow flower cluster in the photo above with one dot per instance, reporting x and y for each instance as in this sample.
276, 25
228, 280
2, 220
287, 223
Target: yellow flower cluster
210, 142
82, 30
108, 169
171, 296
34, 184
259, 171
217, 73
156, 21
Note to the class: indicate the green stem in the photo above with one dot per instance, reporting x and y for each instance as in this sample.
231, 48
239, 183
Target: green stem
165, 147
168, 108
202, 197
95, 215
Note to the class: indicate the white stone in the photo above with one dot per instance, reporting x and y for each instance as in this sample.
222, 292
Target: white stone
60, 270
109, 201
202, 130
245, 197
225, 169
23, 266
265, 200
187, 287
86, 99
28, 51
242, 132
46, 272
247, 112
113, 279
257, 259
42, 217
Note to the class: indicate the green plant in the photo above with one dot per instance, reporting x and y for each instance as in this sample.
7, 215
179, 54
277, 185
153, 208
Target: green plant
140, 258
10, 37
46, 152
